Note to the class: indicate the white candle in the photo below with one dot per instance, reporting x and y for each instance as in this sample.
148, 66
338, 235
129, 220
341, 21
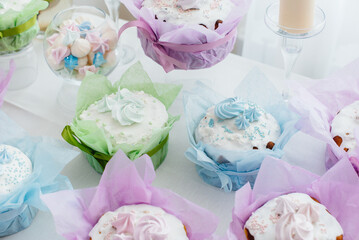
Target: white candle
296, 14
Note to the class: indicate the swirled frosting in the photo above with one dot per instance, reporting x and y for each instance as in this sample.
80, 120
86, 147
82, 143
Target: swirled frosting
295, 216
292, 226
229, 108
15, 168
151, 227
239, 125
128, 109
138, 222
127, 117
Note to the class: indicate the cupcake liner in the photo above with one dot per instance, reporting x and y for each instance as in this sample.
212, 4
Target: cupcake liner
49, 157
124, 182
241, 166
169, 45
320, 103
337, 190
12, 19
5, 79
92, 140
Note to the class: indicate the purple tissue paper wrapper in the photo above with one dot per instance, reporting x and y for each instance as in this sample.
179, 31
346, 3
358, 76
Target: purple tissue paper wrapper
189, 35
124, 183
337, 190
321, 102
5, 79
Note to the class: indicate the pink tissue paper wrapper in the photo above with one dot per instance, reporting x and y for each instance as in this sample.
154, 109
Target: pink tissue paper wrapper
189, 35
124, 182
337, 190
321, 102
5, 79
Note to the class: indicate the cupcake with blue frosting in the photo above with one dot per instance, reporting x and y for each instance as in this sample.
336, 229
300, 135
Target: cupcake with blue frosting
238, 125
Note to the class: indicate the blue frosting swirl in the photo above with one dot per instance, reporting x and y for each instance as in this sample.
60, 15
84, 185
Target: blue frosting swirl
229, 108
71, 62
252, 114
241, 122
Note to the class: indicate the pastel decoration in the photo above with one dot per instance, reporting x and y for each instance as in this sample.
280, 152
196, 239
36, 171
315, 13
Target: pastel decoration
252, 114
60, 53
97, 43
84, 26
242, 122
51, 40
151, 227
111, 37
59, 41
82, 62
71, 37
124, 223
53, 64
83, 70
110, 59
229, 108
189, 4
99, 60
4, 156
105, 104
80, 48
72, 27
71, 62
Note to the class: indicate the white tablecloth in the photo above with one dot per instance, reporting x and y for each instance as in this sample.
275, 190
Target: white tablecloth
36, 109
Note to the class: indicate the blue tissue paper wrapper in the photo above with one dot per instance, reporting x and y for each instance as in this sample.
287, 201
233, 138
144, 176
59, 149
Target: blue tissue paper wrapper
49, 157
231, 170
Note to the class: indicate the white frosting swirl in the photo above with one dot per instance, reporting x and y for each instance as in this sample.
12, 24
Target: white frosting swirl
151, 227
285, 206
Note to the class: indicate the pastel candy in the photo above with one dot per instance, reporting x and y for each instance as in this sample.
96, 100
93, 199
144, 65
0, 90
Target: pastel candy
60, 53
110, 59
15, 168
110, 36
99, 60
83, 70
82, 62
71, 62
71, 37
51, 40
80, 48
98, 44
84, 26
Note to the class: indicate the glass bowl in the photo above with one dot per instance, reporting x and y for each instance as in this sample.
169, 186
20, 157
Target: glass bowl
80, 40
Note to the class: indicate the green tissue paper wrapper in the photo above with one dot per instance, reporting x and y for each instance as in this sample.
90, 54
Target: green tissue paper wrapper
13, 19
93, 88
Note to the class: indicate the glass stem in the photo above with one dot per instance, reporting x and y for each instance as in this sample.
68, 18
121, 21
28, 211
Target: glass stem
291, 48
113, 8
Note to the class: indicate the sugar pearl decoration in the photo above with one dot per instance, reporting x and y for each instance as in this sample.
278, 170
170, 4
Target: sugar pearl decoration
110, 36
80, 48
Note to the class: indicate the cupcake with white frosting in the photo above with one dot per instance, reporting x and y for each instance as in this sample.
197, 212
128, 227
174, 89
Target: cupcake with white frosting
127, 117
140, 221
293, 216
344, 125
207, 13
130, 115
15, 168
238, 125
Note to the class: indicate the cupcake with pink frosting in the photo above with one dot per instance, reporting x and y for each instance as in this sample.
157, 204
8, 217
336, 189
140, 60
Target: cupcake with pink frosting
294, 216
140, 221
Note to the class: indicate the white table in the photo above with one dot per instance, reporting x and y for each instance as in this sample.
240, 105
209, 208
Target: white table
35, 109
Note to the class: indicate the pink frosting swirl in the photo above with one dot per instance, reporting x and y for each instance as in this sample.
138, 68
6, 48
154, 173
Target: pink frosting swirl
310, 212
294, 226
98, 44
124, 223
151, 228
60, 53
285, 206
